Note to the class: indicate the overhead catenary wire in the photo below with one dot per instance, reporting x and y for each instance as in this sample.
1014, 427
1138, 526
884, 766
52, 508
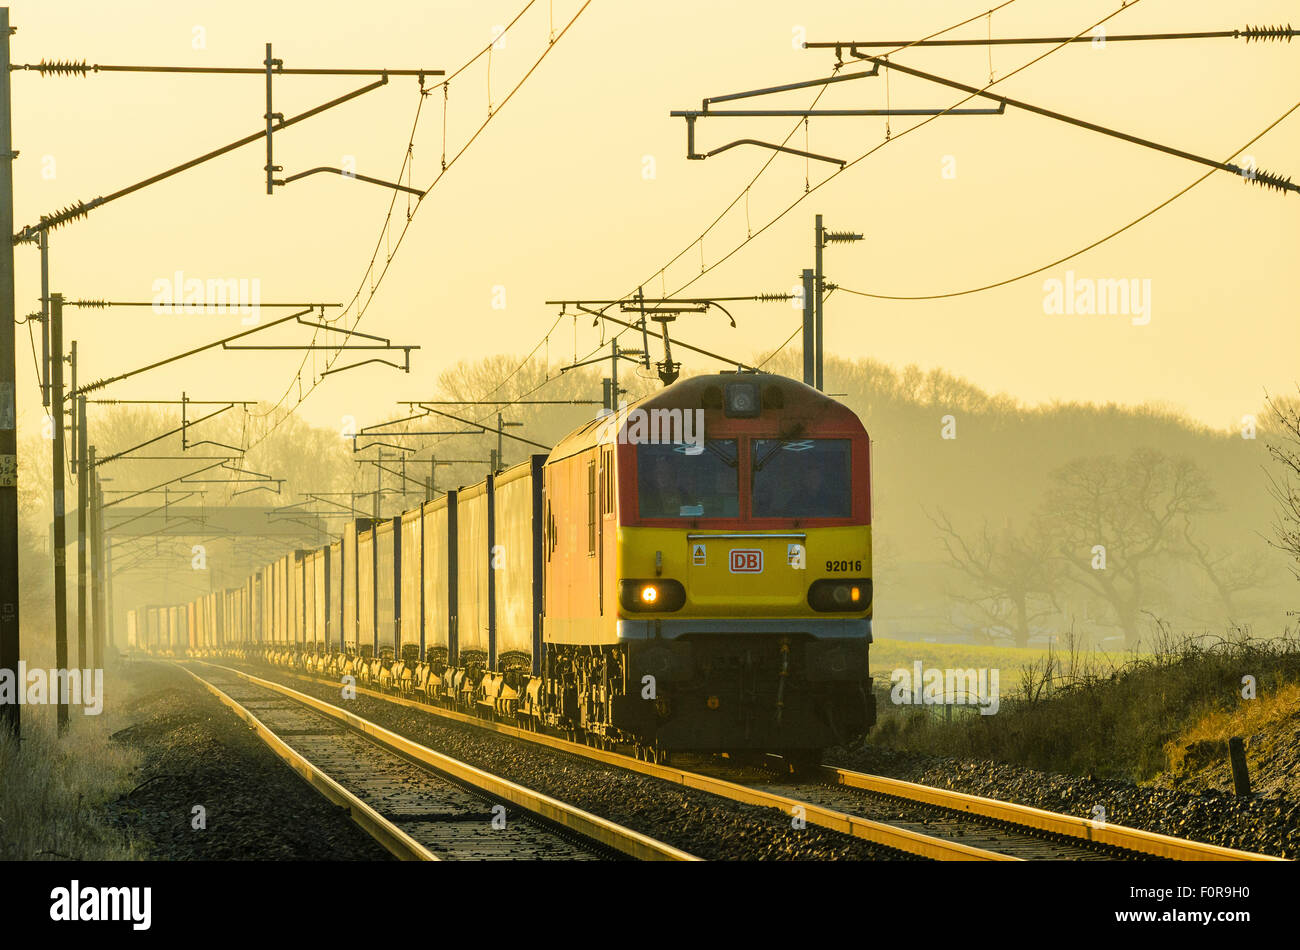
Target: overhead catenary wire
384, 230
797, 330
1257, 176
410, 217
68, 67
1249, 34
79, 209
1083, 250
794, 129
742, 195
871, 151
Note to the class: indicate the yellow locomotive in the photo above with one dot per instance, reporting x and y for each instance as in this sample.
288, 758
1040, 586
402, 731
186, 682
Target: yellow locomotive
692, 572
707, 570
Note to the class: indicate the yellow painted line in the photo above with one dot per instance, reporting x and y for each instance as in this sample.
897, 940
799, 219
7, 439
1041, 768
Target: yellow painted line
1132, 839
629, 842
901, 839
398, 842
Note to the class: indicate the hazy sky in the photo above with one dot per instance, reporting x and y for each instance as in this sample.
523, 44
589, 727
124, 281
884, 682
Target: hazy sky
580, 187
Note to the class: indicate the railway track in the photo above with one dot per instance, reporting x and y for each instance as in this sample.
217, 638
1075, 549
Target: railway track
919, 820
1019, 831
1080, 833
418, 803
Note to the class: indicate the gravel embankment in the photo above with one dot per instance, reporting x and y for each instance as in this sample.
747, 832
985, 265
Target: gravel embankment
693, 821
196, 752
1268, 824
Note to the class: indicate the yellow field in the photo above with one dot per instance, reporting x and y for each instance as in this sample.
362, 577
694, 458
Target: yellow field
888, 655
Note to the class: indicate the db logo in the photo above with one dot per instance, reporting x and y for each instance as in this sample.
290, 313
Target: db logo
746, 561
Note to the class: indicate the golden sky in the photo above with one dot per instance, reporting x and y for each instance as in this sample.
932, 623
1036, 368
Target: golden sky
553, 199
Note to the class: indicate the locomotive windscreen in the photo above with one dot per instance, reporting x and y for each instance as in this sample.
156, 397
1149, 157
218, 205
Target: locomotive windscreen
801, 478
681, 481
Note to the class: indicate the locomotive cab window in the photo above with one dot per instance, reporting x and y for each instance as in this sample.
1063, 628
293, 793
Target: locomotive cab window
801, 478
679, 481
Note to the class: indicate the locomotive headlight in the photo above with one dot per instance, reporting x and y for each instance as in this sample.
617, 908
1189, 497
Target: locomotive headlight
742, 400
846, 595
661, 594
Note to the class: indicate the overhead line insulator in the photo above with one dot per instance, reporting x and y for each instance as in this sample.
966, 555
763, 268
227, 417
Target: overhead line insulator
1264, 34
1268, 180
71, 213
61, 67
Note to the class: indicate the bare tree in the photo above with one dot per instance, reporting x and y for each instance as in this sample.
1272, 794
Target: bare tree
1284, 425
1013, 575
1116, 520
1231, 573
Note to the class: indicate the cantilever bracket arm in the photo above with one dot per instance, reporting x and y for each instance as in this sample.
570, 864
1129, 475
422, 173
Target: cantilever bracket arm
693, 155
707, 111
245, 491
1251, 175
405, 366
598, 359
248, 471
101, 383
338, 171
170, 481
804, 84
776, 148
185, 424
381, 444
351, 333
221, 445
80, 209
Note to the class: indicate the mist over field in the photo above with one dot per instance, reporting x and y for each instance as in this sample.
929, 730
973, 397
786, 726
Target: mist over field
987, 513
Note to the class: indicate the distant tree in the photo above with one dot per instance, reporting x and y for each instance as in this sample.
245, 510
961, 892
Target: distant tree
1115, 521
1013, 577
1232, 573
1283, 427
510, 378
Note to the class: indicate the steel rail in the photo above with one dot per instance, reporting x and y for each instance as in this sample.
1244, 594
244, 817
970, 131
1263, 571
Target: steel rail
1023, 816
394, 839
600, 830
1119, 836
874, 832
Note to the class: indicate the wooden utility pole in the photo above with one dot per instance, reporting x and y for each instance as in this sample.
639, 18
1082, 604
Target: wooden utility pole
819, 292
809, 330
83, 500
821, 237
59, 466
97, 562
8, 399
